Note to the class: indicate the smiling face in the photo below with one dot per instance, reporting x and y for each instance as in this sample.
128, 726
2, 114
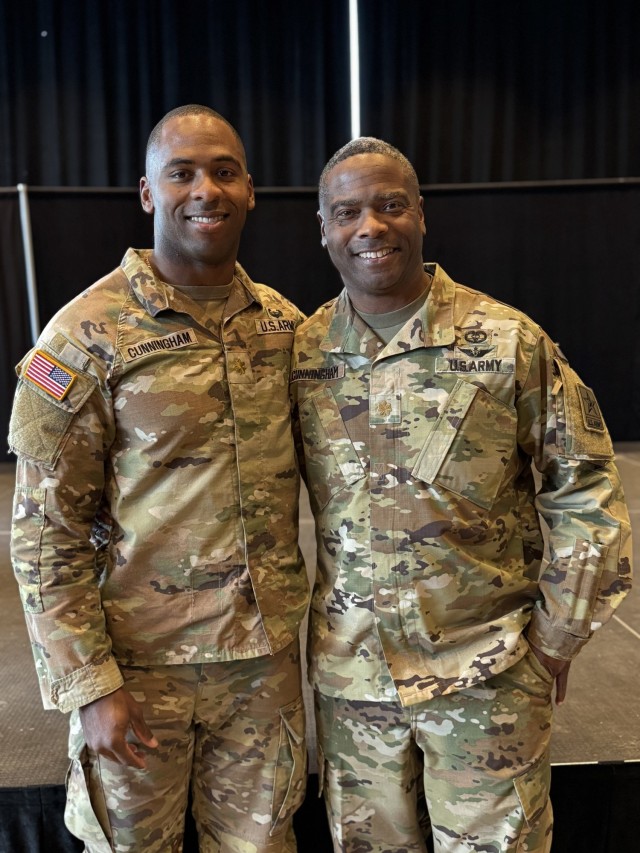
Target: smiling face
372, 222
199, 192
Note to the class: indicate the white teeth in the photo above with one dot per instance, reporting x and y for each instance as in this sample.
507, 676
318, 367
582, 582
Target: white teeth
381, 253
206, 219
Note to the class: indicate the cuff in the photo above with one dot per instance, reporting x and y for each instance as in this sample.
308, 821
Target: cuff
551, 639
86, 685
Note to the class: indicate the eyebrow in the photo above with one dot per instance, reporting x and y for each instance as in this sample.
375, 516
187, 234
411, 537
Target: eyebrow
186, 161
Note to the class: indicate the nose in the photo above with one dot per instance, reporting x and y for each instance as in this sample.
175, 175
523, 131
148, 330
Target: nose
370, 225
205, 187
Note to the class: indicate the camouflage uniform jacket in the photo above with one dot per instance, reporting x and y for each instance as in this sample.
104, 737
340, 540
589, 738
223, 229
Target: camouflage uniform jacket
155, 515
418, 463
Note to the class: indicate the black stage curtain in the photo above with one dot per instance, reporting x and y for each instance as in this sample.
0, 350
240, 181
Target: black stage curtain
471, 91
82, 84
504, 91
14, 316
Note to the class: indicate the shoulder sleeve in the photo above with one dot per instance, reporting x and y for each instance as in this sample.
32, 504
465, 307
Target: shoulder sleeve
581, 500
61, 427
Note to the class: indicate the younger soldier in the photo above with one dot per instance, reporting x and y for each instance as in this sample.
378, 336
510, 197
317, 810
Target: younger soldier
155, 527
436, 632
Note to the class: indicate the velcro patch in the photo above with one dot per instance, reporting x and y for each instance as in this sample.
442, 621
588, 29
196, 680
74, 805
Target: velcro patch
591, 416
475, 365
274, 326
319, 374
176, 340
47, 373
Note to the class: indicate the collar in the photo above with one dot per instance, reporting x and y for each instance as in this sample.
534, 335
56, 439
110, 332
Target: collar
348, 333
156, 295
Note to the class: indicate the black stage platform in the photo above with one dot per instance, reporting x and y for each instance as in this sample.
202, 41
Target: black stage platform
595, 748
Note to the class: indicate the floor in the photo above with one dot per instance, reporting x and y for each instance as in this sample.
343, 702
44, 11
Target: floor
599, 722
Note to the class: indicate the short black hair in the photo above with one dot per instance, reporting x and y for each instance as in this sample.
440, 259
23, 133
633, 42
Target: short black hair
186, 110
366, 145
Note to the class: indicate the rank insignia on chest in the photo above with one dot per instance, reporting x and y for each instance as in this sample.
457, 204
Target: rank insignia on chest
47, 373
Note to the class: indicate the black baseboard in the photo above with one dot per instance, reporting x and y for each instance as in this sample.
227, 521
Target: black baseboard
596, 808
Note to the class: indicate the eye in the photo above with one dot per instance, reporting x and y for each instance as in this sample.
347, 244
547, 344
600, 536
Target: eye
342, 215
179, 175
393, 206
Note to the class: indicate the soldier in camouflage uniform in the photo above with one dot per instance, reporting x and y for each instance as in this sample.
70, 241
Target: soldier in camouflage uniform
155, 523
437, 632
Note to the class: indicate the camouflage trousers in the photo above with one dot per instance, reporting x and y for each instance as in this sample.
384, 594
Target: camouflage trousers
232, 733
472, 768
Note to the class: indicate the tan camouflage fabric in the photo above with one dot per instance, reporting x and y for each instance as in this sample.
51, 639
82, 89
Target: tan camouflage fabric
156, 507
481, 754
246, 758
418, 462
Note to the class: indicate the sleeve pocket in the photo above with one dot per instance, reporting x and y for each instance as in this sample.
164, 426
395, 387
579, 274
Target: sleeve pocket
470, 446
26, 533
578, 577
39, 423
581, 432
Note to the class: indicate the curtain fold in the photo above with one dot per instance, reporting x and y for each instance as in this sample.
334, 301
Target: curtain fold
504, 91
82, 84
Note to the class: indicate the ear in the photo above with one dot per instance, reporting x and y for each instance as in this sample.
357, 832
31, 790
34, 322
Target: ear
252, 196
421, 214
323, 239
146, 198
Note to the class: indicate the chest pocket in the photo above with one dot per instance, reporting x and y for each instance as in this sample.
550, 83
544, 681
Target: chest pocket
470, 446
330, 457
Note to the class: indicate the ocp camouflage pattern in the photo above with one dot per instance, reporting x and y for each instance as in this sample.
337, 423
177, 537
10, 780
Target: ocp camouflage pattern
155, 516
418, 462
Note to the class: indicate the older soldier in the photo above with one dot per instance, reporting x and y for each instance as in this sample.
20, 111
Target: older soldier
437, 632
155, 524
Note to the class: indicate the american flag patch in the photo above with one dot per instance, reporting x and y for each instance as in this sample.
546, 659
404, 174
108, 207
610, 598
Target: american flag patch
46, 373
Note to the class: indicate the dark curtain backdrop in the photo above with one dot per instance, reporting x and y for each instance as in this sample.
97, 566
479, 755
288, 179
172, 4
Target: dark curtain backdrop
471, 90
14, 316
82, 82
504, 90
567, 255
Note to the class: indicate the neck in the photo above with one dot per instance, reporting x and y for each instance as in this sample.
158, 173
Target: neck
387, 301
191, 274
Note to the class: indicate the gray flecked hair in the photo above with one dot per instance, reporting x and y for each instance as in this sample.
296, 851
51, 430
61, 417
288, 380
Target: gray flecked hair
366, 145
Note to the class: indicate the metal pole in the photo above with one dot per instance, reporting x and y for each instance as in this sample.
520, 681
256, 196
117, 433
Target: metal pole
29, 264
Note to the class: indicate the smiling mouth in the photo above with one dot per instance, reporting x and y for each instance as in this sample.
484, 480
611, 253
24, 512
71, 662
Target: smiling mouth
207, 220
374, 256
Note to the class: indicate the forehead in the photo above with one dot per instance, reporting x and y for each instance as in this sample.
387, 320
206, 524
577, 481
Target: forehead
194, 135
367, 174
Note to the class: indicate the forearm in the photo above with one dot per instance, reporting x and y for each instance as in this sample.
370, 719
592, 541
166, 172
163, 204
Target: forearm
589, 572
54, 561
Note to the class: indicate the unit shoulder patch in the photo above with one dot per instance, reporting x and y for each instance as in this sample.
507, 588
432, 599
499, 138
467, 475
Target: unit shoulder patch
591, 416
49, 375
